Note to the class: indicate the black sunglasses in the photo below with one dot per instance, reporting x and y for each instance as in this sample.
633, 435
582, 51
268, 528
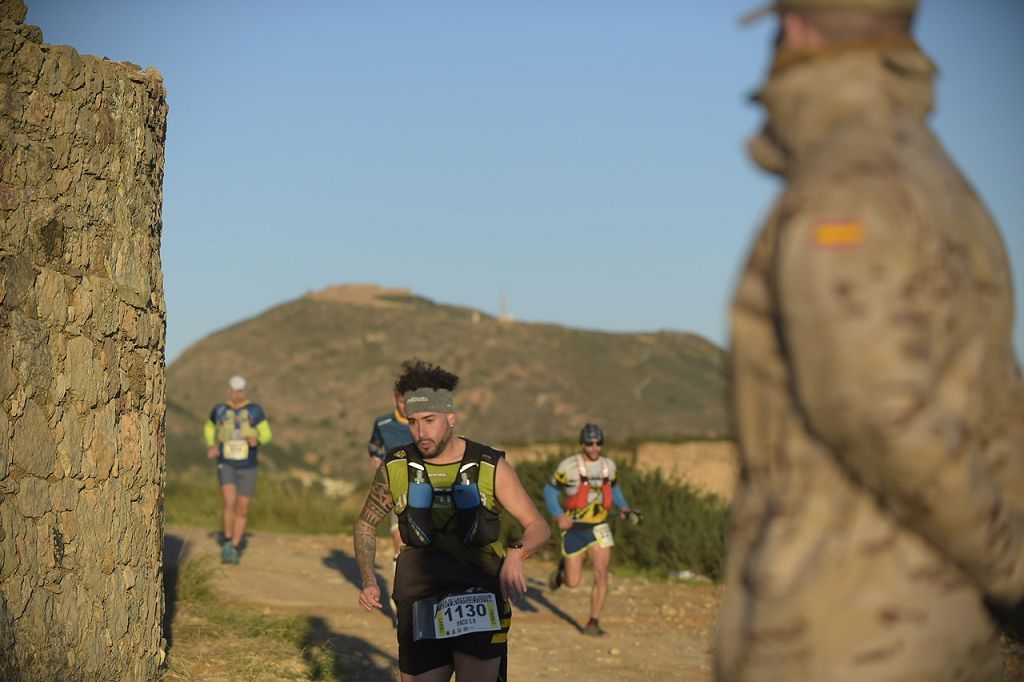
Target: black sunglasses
593, 442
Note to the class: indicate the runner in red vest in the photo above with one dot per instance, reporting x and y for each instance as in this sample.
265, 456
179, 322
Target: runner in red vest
589, 483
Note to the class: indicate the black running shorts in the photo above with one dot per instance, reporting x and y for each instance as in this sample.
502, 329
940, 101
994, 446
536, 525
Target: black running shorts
416, 658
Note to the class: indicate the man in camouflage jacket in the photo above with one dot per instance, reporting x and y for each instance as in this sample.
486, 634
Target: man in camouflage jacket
879, 522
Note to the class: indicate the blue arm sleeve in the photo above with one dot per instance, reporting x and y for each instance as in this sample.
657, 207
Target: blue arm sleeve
618, 498
551, 500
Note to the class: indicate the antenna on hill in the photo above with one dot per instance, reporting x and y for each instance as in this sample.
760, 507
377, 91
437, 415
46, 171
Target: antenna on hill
503, 314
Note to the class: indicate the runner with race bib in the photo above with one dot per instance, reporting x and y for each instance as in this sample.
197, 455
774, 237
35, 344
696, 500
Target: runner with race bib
454, 579
590, 487
233, 434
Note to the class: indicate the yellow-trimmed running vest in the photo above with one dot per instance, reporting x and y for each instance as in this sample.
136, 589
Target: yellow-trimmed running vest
471, 493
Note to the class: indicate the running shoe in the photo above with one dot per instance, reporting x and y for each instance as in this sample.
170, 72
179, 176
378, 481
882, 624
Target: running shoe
225, 551
594, 630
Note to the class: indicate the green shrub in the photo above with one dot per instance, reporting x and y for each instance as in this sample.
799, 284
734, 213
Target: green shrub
683, 529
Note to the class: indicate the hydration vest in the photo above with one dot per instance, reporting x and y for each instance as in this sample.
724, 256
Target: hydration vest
580, 498
479, 522
232, 423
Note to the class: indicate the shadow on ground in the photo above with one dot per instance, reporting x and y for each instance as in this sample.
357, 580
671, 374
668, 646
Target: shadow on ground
535, 599
334, 656
328, 655
532, 601
346, 565
175, 554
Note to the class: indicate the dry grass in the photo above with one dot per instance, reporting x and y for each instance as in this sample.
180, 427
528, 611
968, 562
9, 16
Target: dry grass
214, 639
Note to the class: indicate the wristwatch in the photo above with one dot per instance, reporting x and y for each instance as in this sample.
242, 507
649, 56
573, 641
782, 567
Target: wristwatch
514, 545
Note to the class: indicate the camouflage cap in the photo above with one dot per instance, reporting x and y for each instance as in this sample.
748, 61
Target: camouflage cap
873, 5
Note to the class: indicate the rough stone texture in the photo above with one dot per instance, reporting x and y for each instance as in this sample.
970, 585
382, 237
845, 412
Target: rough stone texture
82, 322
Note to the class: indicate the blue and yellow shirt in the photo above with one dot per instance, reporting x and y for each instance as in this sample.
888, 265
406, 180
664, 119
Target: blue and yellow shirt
390, 431
229, 427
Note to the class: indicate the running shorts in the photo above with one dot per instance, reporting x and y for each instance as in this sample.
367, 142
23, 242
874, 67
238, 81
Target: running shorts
243, 478
416, 658
579, 538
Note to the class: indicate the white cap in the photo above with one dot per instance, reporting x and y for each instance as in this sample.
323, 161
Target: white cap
237, 383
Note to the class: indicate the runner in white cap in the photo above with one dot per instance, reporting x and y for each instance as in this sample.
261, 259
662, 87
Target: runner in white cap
233, 435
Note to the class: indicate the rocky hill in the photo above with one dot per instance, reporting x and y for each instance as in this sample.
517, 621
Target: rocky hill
323, 365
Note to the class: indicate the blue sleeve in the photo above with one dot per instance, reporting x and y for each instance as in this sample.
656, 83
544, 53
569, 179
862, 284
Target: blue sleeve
618, 498
376, 443
551, 500
256, 414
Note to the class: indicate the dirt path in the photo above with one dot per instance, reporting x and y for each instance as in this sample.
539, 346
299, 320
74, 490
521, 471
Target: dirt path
659, 630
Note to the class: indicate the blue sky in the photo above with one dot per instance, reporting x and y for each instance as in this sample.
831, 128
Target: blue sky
582, 160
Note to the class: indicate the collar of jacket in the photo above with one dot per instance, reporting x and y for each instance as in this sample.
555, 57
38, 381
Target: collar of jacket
810, 94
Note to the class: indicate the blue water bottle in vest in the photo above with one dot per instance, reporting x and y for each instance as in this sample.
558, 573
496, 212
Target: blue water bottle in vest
418, 513
466, 495
478, 525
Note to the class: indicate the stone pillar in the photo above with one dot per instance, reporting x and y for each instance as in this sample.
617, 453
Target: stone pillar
82, 323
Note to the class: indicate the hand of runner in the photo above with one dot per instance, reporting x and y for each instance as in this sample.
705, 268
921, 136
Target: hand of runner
512, 577
369, 598
564, 522
213, 452
632, 516
252, 441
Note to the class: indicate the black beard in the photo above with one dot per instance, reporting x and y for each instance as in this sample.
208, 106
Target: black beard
441, 444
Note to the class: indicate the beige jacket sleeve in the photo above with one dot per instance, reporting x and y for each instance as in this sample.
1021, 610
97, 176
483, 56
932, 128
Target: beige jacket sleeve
876, 325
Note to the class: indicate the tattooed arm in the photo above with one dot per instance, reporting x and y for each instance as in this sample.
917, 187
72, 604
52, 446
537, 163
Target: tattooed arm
378, 504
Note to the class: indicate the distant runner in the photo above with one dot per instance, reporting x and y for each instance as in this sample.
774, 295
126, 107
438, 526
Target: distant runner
591, 488
233, 435
454, 578
389, 432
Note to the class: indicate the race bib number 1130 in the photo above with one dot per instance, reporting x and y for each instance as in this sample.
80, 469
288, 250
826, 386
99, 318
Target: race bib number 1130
456, 615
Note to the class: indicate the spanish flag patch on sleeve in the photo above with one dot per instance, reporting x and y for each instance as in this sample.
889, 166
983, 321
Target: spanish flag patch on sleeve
838, 234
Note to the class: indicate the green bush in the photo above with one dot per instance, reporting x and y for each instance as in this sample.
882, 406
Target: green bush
683, 529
